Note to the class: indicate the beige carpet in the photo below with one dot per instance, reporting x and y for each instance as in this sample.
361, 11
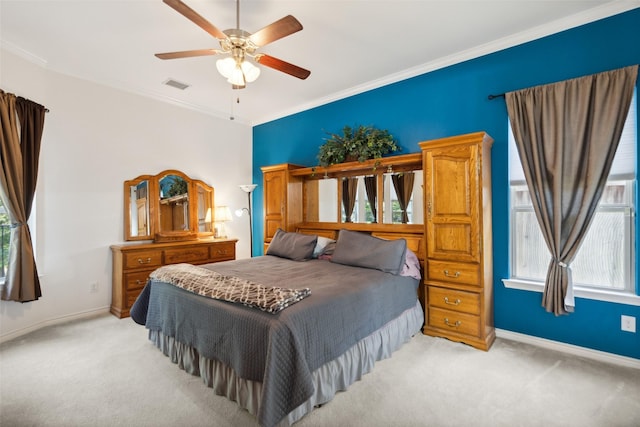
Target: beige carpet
104, 372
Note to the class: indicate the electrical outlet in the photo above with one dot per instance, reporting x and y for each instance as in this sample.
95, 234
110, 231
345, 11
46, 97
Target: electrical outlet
93, 287
628, 323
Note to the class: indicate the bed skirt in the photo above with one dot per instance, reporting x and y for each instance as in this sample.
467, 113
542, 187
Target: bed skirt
332, 377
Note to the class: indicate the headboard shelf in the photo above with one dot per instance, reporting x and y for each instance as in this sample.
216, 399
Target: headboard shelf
399, 163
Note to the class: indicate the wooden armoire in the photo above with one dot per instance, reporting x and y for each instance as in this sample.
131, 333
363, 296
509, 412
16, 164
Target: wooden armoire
458, 277
282, 199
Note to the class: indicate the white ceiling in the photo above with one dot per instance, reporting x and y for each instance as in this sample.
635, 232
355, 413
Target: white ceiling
349, 46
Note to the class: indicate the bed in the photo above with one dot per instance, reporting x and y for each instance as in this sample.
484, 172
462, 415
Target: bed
342, 304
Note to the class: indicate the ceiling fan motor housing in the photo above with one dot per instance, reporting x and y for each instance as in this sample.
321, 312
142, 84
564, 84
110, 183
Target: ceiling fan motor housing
237, 38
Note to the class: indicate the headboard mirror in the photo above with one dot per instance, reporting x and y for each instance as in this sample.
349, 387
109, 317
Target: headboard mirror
167, 206
387, 193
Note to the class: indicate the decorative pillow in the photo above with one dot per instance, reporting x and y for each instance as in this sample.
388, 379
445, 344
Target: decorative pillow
363, 250
321, 245
295, 246
411, 266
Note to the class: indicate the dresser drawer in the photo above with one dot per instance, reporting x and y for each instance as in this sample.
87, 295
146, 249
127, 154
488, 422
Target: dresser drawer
451, 299
189, 254
222, 251
453, 321
136, 280
131, 298
454, 272
142, 259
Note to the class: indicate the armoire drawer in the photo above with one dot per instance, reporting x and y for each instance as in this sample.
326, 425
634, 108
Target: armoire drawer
452, 299
454, 272
453, 321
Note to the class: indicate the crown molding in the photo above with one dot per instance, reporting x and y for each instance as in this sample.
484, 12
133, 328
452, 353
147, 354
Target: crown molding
576, 20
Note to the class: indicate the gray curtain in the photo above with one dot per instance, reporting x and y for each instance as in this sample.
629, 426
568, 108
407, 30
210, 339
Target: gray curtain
349, 192
567, 134
371, 186
403, 184
19, 154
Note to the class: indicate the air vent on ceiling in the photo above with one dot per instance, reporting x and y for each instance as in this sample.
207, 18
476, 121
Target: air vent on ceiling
176, 84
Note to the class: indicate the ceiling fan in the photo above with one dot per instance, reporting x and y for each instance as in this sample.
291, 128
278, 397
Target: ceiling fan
240, 44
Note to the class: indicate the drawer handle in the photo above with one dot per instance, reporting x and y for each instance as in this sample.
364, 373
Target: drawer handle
139, 282
455, 325
455, 276
222, 251
142, 261
456, 302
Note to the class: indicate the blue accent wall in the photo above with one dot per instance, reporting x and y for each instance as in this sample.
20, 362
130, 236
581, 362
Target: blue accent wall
453, 101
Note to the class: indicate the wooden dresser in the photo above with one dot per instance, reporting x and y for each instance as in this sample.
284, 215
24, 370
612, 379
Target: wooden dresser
133, 263
459, 262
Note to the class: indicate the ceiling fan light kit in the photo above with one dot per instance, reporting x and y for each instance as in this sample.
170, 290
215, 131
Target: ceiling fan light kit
240, 44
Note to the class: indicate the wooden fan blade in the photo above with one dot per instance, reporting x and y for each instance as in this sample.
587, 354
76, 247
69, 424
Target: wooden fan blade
187, 53
280, 65
276, 30
194, 17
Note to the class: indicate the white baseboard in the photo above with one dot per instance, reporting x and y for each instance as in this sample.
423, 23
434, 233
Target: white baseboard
55, 321
600, 356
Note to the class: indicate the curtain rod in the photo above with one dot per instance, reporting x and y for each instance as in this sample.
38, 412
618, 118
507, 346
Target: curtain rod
500, 95
46, 110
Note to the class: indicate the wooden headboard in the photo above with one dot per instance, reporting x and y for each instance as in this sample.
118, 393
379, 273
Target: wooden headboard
412, 233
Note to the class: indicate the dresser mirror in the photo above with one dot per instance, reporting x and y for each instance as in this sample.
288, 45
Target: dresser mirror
204, 193
173, 193
168, 206
137, 223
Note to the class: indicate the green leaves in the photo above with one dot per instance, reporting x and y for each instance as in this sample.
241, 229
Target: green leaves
362, 143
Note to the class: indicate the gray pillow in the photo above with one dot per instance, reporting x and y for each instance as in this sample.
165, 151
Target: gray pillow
295, 246
363, 250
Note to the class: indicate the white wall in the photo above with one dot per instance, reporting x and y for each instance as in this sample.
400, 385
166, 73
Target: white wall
95, 138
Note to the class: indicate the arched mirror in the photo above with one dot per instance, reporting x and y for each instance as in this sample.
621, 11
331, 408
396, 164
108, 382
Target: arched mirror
167, 206
173, 193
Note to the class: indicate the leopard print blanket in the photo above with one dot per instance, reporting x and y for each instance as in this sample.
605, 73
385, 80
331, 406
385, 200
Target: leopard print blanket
210, 284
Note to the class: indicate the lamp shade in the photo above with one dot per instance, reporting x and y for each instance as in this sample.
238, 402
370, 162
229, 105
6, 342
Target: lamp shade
237, 77
237, 72
251, 72
248, 188
222, 214
226, 66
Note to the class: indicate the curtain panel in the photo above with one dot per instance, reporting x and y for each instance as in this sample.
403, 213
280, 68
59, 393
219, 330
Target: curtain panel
371, 187
349, 193
567, 134
403, 184
22, 123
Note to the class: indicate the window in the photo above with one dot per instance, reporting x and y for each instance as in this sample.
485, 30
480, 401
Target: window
4, 242
606, 258
5, 234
